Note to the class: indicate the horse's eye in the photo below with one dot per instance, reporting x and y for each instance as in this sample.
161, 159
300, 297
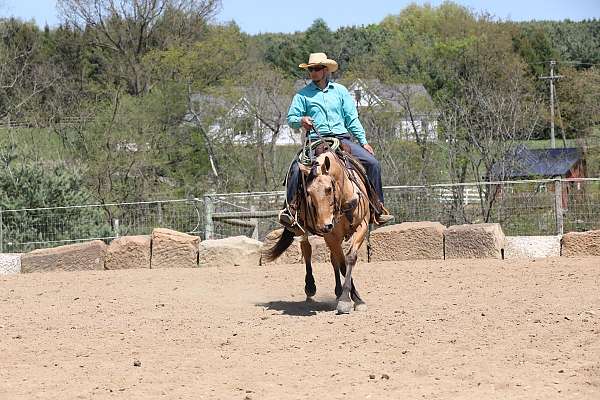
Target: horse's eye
328, 190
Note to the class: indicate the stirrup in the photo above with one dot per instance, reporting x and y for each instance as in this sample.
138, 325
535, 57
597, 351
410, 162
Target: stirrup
384, 219
287, 220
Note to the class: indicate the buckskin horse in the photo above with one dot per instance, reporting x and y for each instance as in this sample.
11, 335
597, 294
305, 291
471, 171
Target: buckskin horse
335, 206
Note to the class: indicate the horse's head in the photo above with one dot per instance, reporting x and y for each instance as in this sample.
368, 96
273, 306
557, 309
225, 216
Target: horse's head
322, 200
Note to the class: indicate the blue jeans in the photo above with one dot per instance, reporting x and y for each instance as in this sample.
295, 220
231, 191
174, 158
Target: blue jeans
368, 161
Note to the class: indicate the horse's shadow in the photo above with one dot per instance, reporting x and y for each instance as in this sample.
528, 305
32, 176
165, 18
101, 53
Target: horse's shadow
303, 308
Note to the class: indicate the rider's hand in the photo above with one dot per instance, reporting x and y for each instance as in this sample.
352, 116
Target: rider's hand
368, 148
307, 123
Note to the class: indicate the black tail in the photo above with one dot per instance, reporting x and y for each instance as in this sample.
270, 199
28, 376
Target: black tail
284, 241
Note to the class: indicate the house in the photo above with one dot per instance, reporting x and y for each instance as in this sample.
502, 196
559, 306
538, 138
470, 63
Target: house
524, 163
250, 118
416, 115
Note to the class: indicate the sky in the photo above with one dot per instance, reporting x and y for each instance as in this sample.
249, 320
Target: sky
256, 16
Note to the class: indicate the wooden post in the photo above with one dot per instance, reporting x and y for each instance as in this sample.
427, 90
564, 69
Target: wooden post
209, 209
255, 221
558, 206
116, 227
1, 233
160, 214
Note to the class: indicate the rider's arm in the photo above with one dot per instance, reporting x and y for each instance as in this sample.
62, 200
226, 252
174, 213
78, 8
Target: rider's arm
296, 112
351, 118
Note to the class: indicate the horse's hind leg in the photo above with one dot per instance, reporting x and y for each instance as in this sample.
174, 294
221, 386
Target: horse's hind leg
309, 280
359, 304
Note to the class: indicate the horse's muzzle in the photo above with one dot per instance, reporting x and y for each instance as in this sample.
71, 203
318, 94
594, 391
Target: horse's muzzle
327, 228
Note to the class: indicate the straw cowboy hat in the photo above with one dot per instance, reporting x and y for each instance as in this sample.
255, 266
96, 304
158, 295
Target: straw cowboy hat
320, 59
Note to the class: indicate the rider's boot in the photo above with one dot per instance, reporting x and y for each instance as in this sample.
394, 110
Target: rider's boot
383, 217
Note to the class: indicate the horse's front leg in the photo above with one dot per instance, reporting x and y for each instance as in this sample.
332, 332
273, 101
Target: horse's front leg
334, 242
309, 280
337, 260
349, 289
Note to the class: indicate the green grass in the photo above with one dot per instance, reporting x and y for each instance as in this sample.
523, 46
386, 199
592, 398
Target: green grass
33, 144
547, 144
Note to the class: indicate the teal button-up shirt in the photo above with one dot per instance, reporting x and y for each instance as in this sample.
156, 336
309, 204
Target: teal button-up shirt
332, 110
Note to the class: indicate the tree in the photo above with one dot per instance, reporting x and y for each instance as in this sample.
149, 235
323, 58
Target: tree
483, 125
125, 30
575, 41
533, 43
261, 100
402, 129
199, 66
24, 75
283, 51
318, 38
34, 185
578, 94
423, 43
356, 46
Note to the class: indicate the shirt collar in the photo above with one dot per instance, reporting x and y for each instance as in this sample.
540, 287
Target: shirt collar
315, 87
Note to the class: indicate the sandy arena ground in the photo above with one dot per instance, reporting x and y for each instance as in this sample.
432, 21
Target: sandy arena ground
434, 330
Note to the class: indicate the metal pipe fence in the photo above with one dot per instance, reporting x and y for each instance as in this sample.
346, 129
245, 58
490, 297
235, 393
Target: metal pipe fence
534, 207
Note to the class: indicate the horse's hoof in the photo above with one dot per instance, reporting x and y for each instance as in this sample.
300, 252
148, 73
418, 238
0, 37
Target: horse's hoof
310, 291
360, 306
309, 299
344, 307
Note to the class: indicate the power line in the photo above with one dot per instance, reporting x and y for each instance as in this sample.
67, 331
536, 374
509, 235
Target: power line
563, 62
577, 63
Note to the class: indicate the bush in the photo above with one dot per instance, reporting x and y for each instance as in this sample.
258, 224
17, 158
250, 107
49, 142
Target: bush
25, 189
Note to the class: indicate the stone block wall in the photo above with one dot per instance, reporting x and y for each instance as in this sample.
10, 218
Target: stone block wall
581, 244
474, 241
408, 241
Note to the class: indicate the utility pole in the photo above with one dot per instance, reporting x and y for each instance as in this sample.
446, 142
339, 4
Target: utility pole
551, 78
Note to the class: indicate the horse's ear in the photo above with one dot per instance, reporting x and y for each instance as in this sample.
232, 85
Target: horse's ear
325, 166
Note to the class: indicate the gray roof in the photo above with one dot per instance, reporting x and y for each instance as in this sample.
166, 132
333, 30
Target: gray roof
400, 95
524, 162
241, 97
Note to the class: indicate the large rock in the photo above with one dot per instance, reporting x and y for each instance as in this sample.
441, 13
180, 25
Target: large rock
128, 252
578, 244
532, 247
10, 263
293, 255
232, 251
73, 257
321, 253
474, 241
408, 241
172, 249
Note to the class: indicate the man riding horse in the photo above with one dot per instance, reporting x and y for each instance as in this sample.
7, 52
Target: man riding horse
326, 109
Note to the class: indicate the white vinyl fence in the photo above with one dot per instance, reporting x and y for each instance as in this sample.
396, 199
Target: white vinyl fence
535, 207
